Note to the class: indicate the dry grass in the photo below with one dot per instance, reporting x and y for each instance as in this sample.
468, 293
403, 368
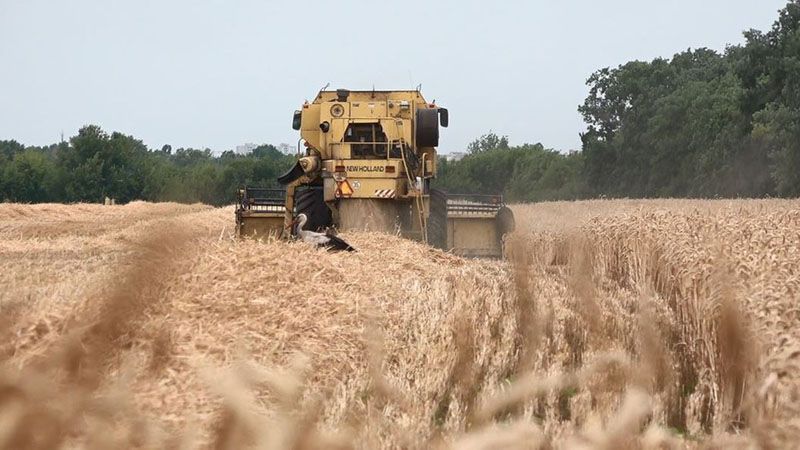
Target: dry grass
614, 324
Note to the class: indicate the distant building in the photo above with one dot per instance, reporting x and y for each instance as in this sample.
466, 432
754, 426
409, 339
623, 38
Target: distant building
244, 149
454, 156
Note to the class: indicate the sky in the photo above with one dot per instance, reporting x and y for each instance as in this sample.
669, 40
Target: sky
216, 74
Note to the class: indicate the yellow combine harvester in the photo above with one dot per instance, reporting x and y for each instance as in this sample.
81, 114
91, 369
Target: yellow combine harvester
368, 163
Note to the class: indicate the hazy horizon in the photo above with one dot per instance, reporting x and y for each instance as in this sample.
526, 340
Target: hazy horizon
218, 75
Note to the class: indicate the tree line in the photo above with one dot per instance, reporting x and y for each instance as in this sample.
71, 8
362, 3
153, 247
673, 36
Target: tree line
94, 165
700, 124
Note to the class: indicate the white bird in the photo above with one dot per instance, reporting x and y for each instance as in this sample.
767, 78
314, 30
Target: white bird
327, 240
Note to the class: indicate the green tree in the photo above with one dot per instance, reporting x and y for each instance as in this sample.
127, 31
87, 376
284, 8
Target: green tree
489, 141
29, 177
522, 173
10, 148
101, 165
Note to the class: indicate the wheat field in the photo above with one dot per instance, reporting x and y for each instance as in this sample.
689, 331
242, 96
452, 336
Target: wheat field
611, 324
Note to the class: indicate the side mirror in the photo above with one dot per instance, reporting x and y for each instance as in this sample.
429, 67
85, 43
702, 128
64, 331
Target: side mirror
297, 120
444, 117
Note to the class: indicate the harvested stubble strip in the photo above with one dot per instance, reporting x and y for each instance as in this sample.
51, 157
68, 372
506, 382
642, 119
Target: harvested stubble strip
279, 298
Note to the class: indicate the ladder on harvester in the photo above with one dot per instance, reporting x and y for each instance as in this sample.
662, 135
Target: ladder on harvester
418, 192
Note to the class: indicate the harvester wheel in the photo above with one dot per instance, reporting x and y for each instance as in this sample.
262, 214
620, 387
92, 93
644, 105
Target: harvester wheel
309, 200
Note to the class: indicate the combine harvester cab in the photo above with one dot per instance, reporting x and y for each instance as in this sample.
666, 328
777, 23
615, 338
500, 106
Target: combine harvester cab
369, 162
260, 212
469, 225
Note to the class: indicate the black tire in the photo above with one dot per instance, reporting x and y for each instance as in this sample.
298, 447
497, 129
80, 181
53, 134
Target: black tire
310, 200
427, 131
